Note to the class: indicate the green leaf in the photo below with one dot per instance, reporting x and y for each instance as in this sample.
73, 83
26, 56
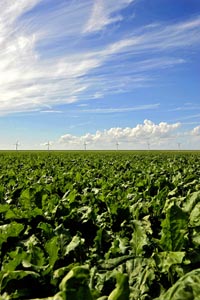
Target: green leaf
75, 242
15, 275
112, 263
52, 247
186, 288
2, 191
14, 259
122, 291
4, 208
75, 284
174, 229
5, 296
194, 219
35, 251
196, 236
139, 238
166, 259
10, 230
191, 201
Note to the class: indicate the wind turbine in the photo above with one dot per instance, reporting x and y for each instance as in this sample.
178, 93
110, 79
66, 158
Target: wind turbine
48, 145
148, 145
85, 145
179, 145
17, 144
117, 145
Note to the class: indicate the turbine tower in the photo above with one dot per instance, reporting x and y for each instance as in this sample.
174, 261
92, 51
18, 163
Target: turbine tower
179, 145
17, 144
117, 145
48, 145
148, 145
85, 145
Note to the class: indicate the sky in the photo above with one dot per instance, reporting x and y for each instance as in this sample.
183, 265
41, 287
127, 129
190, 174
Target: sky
100, 74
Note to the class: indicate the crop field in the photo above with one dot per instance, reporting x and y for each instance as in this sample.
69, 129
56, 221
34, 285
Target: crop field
86, 225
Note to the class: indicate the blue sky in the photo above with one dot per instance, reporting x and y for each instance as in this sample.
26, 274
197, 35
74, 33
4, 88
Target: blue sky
100, 72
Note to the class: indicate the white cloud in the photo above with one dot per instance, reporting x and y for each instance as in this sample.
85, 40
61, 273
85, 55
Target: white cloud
70, 139
139, 135
48, 144
196, 131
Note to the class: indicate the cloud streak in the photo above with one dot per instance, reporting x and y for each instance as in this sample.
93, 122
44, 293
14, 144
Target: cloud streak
104, 13
122, 109
39, 72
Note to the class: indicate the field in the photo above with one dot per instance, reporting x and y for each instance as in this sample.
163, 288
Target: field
112, 225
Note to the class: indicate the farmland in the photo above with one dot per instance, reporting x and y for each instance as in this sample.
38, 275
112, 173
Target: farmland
72, 224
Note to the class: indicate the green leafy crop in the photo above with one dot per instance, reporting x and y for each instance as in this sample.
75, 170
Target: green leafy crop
100, 225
